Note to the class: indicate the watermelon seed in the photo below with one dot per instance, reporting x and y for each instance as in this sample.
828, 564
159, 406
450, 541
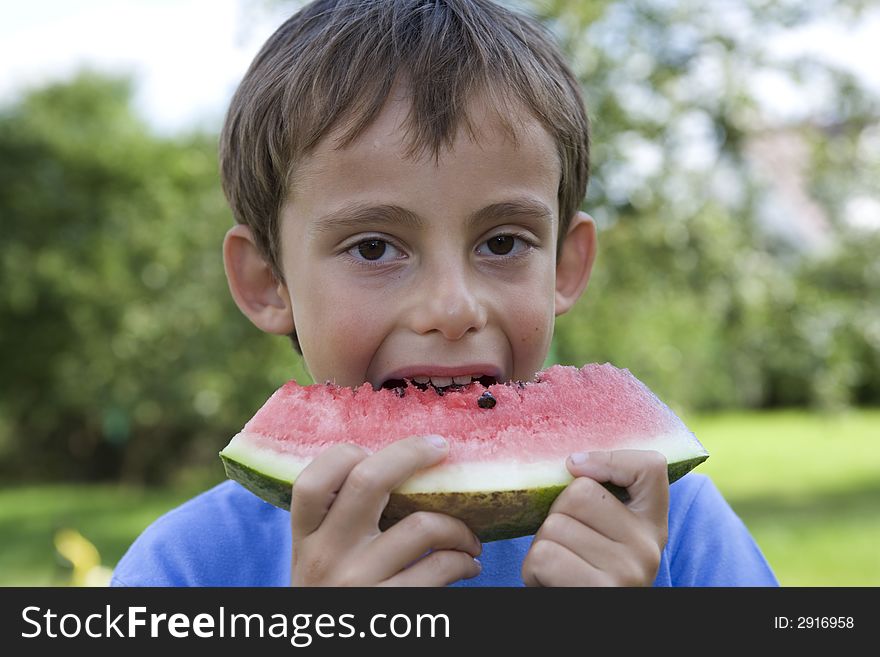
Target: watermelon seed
486, 400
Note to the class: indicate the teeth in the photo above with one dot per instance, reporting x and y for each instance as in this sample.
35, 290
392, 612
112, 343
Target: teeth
445, 381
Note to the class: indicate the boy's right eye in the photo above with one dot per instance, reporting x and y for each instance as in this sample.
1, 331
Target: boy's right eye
374, 250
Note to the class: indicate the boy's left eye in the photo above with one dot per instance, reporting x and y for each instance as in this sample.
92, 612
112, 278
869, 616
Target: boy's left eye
502, 245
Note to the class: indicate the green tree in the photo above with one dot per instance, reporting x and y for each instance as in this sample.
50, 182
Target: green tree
122, 351
696, 288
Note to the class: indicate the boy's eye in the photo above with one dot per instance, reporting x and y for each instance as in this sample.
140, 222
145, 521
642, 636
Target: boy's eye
502, 245
374, 250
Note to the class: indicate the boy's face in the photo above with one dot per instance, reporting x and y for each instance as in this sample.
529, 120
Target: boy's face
398, 267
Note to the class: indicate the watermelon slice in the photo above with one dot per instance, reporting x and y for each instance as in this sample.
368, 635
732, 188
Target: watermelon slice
508, 442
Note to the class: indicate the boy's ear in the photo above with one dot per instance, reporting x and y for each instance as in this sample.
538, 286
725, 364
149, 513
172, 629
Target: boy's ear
575, 261
254, 286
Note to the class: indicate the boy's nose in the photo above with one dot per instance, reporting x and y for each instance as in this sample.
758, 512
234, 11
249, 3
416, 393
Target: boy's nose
448, 303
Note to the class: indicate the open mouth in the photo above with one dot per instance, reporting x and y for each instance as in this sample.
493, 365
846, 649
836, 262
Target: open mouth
442, 384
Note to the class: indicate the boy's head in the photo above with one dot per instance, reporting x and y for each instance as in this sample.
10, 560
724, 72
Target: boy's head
406, 176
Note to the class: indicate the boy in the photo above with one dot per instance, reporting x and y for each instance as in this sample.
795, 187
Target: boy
406, 177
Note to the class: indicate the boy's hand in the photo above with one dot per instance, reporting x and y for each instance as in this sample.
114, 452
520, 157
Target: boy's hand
591, 538
337, 502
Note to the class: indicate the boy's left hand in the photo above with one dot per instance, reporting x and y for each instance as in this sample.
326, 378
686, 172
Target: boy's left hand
591, 538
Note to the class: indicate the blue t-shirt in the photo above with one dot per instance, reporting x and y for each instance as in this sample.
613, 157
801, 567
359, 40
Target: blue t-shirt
229, 537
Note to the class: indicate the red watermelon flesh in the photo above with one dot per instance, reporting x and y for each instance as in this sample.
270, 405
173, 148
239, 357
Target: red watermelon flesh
506, 462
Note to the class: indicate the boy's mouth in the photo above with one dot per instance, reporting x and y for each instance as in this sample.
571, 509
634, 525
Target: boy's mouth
440, 383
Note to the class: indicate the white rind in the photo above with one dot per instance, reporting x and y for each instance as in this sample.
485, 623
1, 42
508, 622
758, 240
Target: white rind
471, 477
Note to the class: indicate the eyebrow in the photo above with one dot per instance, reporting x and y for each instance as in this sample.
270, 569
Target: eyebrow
357, 214
518, 208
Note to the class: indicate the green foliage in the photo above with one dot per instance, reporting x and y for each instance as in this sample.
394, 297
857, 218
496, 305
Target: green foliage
703, 287
122, 350
710, 320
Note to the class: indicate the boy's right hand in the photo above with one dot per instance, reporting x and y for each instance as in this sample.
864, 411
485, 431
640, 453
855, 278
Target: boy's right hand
337, 502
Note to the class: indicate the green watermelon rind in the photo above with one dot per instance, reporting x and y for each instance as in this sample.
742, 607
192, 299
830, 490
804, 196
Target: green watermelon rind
491, 515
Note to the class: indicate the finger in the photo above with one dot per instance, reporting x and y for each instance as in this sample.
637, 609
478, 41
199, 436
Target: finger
437, 569
632, 564
589, 503
551, 564
585, 542
369, 484
416, 534
318, 484
643, 473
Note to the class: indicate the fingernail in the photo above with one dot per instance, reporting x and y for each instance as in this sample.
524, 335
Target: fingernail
578, 457
437, 441
479, 565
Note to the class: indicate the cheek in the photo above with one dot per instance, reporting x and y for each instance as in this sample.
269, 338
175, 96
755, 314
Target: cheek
535, 331
532, 319
531, 346
338, 331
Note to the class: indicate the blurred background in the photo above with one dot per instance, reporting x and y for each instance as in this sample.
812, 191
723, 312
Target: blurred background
736, 185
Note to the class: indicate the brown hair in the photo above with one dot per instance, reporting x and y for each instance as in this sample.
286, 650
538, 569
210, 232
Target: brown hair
334, 62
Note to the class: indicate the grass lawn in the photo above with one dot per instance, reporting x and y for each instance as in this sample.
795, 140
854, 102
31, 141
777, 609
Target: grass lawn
806, 485
108, 516
808, 488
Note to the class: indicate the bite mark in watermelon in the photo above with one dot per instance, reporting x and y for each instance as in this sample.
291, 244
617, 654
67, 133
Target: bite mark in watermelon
506, 461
